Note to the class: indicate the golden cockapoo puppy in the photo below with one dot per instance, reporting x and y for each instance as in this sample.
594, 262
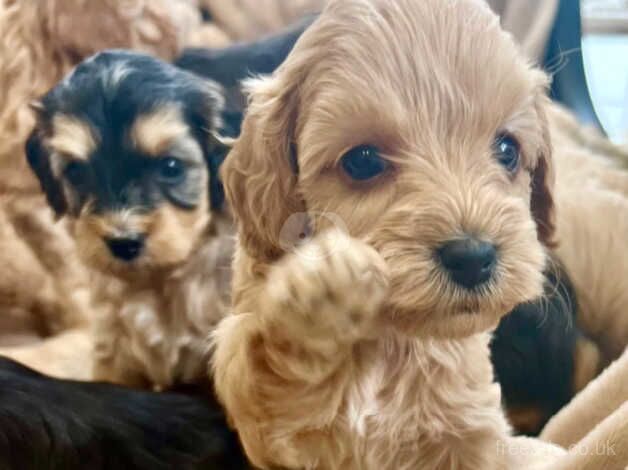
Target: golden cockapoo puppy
409, 140
125, 148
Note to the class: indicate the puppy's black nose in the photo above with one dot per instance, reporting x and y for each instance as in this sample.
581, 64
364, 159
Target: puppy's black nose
127, 248
470, 262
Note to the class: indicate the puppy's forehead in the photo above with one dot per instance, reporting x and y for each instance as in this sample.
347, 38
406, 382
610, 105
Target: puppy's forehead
445, 65
114, 92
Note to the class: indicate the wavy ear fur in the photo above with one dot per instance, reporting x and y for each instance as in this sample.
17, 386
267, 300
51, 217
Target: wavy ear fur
260, 175
542, 202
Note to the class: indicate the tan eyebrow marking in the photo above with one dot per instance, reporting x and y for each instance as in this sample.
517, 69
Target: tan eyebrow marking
155, 132
73, 137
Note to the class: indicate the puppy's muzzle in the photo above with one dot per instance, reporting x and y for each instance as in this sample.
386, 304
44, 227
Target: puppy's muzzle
126, 248
469, 262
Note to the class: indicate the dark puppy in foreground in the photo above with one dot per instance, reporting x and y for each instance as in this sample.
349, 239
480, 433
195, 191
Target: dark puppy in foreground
49, 424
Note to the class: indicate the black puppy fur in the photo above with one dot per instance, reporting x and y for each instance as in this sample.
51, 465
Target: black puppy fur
533, 354
49, 424
231, 65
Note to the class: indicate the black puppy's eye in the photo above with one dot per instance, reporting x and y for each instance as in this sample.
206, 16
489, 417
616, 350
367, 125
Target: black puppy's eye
507, 151
364, 163
171, 170
75, 172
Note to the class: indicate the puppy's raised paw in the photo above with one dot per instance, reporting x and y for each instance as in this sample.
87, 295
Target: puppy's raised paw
333, 285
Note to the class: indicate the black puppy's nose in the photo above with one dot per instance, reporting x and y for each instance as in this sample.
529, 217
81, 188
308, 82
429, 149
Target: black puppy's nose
470, 262
127, 248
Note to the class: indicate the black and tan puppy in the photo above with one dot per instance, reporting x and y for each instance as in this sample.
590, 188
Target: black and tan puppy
48, 424
128, 148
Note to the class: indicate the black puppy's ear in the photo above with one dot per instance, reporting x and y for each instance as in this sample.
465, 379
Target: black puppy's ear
39, 160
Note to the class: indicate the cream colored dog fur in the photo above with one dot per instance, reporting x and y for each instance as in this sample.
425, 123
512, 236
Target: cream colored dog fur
354, 350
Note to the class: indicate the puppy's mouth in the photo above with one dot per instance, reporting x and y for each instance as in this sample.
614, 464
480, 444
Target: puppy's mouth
478, 304
468, 308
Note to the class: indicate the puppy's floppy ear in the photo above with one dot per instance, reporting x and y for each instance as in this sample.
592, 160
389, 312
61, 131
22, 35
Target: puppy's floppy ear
260, 173
38, 157
542, 202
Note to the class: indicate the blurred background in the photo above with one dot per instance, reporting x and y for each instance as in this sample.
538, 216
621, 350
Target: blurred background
605, 53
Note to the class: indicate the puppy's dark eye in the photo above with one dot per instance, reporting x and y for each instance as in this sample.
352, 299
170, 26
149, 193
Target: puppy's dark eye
364, 163
171, 170
76, 173
507, 151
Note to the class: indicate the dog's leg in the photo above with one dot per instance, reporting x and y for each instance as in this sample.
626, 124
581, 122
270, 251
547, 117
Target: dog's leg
281, 371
